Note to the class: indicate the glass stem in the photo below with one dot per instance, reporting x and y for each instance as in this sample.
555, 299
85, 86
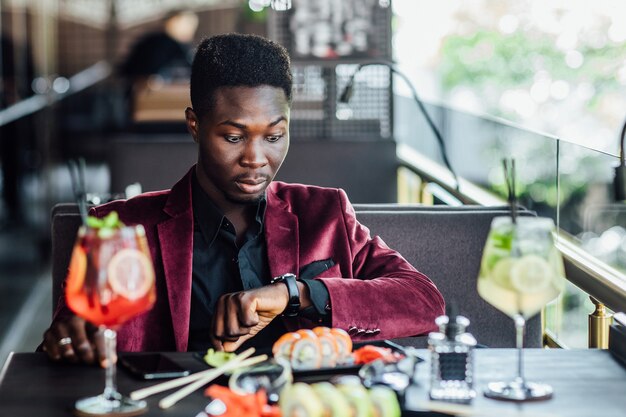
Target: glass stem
110, 383
520, 324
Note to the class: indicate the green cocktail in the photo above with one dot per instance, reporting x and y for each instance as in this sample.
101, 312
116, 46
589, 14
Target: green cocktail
521, 270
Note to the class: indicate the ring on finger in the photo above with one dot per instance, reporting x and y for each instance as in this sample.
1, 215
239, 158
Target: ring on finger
65, 341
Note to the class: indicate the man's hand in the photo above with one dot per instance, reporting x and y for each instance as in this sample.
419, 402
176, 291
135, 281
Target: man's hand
240, 316
74, 340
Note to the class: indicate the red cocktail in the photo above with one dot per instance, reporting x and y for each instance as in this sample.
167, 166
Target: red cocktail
110, 280
111, 277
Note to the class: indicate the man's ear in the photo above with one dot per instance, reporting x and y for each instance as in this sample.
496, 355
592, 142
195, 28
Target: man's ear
192, 123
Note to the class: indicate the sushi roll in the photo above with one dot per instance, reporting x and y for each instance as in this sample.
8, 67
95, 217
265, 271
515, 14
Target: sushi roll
282, 347
384, 401
306, 351
358, 397
344, 342
330, 346
333, 401
300, 400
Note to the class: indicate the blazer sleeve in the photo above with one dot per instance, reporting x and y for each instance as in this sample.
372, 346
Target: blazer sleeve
388, 297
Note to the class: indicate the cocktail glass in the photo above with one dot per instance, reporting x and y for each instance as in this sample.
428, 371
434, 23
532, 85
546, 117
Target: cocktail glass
521, 271
110, 280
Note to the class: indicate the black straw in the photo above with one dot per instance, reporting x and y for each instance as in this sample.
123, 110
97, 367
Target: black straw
77, 177
509, 179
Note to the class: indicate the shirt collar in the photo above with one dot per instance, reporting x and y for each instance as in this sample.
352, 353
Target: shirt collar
210, 218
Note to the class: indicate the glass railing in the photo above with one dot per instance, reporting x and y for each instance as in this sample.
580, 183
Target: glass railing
566, 182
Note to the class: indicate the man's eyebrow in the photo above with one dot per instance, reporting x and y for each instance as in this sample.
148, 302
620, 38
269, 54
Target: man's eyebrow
244, 127
234, 124
275, 122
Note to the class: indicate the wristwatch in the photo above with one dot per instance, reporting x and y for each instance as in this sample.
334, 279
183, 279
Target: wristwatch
293, 305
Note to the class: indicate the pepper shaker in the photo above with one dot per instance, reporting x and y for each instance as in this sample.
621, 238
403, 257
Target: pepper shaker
451, 354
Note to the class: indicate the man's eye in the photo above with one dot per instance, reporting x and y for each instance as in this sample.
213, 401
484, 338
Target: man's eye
274, 138
233, 139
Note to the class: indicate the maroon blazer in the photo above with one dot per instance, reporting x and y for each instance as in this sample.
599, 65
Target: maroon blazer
374, 292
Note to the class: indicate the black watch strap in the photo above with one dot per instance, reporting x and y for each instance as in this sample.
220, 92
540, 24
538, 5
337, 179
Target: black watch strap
293, 305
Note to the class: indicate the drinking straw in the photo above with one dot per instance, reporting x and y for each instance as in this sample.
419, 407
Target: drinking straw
77, 177
509, 179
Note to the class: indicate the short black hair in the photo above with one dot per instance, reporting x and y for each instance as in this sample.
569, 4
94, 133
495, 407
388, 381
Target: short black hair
234, 60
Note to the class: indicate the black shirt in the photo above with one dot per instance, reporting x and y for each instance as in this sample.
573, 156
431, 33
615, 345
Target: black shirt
221, 267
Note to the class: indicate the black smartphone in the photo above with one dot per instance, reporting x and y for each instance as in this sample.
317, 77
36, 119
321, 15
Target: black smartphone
152, 366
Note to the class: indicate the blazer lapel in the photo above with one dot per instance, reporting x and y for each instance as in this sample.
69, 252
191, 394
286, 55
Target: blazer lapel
176, 242
281, 236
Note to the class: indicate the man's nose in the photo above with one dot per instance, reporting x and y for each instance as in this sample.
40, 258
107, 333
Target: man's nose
254, 154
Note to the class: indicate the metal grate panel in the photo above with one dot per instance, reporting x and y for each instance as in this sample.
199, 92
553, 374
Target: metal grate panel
321, 74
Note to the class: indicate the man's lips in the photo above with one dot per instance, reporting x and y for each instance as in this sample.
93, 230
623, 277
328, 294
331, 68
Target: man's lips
251, 185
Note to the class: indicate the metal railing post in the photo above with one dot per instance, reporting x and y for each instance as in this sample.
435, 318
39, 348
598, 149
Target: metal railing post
599, 322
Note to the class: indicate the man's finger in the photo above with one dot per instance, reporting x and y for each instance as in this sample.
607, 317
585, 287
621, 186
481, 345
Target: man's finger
232, 327
218, 318
217, 344
232, 346
80, 340
99, 345
247, 315
50, 345
64, 342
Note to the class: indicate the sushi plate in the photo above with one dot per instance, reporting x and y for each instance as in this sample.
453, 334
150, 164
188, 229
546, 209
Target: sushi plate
320, 374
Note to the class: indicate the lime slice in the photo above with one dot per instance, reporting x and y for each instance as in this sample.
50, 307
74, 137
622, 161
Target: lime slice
130, 273
501, 272
492, 256
530, 274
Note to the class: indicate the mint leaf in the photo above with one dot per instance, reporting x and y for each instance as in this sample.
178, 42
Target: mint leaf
94, 222
111, 220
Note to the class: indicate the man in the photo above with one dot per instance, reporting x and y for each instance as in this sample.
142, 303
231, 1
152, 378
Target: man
166, 52
220, 234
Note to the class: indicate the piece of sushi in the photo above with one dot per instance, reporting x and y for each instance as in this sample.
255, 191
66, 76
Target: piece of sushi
330, 346
300, 400
282, 347
306, 351
384, 401
344, 342
334, 402
358, 397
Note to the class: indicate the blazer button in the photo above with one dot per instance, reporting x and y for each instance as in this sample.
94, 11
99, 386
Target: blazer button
369, 332
375, 331
352, 330
360, 331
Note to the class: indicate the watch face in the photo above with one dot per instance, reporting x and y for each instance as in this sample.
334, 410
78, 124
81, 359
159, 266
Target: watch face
282, 278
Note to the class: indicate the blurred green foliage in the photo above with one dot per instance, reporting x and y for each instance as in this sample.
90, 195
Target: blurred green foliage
488, 58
